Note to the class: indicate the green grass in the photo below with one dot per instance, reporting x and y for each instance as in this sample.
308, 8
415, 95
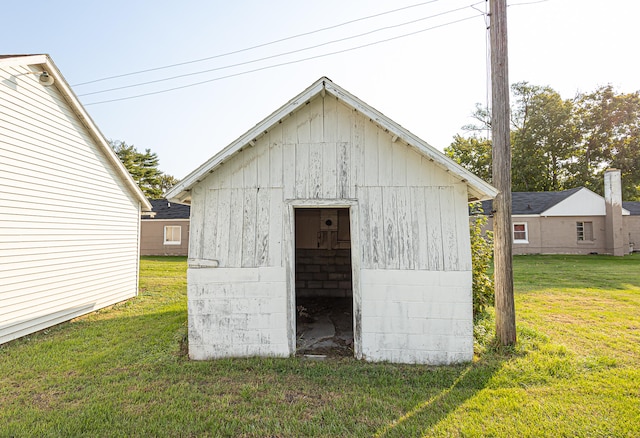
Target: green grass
122, 371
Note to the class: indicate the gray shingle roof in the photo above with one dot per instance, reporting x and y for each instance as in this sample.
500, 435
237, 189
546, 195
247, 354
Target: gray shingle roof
633, 207
537, 202
164, 209
532, 202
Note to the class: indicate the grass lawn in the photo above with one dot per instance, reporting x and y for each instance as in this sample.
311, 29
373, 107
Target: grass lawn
122, 371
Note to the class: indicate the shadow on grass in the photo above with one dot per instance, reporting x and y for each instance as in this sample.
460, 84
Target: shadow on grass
469, 380
466, 382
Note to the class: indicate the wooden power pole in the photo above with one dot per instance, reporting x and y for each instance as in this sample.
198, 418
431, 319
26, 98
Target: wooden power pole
500, 120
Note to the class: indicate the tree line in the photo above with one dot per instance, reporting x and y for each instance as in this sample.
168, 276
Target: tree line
559, 144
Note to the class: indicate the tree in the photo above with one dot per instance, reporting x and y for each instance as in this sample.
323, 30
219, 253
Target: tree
143, 167
609, 126
481, 256
543, 140
167, 182
473, 153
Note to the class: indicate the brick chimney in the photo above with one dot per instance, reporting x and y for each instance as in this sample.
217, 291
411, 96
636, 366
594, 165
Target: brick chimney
613, 221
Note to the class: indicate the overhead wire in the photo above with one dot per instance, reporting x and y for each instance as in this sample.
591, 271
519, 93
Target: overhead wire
285, 63
234, 52
279, 54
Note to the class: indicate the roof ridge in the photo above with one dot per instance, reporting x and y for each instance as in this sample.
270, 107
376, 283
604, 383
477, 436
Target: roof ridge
476, 187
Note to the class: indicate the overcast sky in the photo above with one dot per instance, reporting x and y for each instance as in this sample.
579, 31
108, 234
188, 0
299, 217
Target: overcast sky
426, 75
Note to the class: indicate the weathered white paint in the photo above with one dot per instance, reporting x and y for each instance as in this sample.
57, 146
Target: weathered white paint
237, 312
416, 316
408, 215
69, 222
243, 225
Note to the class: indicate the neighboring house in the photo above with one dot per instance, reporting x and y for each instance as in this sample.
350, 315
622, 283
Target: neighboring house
165, 230
70, 214
575, 221
328, 197
631, 224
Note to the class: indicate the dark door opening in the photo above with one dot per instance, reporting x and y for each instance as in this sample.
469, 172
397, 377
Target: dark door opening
324, 291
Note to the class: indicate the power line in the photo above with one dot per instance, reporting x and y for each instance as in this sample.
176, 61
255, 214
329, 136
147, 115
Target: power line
335, 26
284, 63
279, 54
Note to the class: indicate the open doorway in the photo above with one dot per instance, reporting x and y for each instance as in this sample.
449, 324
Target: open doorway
323, 283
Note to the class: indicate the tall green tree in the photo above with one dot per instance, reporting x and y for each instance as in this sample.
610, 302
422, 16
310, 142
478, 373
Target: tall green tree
143, 167
544, 138
609, 126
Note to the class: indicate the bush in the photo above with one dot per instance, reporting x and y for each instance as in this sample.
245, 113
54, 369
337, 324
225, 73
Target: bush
481, 256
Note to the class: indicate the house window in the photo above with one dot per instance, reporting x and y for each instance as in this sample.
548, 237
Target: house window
520, 232
172, 234
585, 231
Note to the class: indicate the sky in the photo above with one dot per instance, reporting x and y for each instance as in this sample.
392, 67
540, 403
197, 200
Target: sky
421, 63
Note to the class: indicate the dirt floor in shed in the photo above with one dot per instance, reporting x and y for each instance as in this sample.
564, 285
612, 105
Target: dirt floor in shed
324, 326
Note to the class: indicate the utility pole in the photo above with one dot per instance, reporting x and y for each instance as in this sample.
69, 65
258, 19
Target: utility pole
501, 149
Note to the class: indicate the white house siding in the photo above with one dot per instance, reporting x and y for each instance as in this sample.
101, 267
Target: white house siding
68, 225
412, 219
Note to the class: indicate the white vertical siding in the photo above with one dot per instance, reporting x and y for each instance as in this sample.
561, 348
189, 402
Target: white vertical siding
68, 225
408, 205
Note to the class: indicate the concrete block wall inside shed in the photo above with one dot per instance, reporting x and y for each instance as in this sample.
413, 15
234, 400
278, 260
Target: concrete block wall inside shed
237, 312
323, 273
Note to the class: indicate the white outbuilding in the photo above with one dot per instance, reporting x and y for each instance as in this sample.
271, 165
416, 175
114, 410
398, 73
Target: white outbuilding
69, 210
328, 198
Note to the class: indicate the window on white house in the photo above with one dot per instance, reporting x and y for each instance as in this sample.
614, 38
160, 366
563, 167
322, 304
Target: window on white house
520, 232
172, 234
585, 231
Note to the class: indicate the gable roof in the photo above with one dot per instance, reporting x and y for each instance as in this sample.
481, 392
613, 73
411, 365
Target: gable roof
532, 202
46, 64
476, 187
538, 202
163, 209
543, 203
